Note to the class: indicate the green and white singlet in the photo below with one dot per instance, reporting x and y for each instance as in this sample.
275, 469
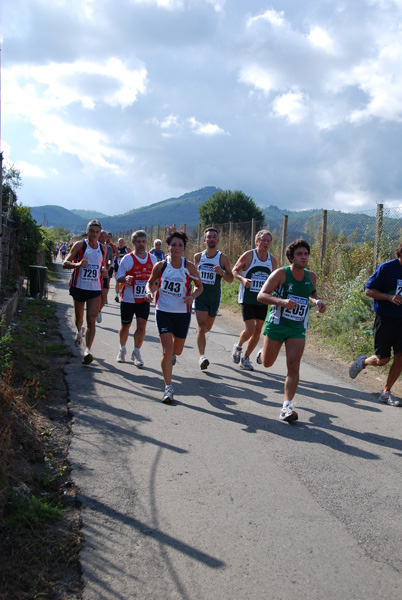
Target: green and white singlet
209, 278
300, 292
258, 272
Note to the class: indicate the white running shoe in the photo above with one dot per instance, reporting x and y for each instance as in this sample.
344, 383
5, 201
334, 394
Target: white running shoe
388, 398
288, 414
357, 366
204, 363
258, 358
88, 358
168, 395
99, 317
236, 354
136, 358
121, 357
174, 358
78, 337
246, 364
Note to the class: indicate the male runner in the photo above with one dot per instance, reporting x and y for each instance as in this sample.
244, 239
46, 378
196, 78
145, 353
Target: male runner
134, 271
121, 250
385, 287
252, 270
213, 266
288, 290
87, 258
105, 278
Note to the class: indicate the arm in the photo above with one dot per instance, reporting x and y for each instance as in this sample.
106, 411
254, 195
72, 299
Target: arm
242, 264
276, 279
314, 297
377, 295
153, 282
197, 257
68, 263
225, 269
196, 281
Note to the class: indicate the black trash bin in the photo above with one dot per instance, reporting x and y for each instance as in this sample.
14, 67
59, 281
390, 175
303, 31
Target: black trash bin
37, 281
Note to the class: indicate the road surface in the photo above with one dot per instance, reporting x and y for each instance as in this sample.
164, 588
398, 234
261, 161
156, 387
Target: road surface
214, 498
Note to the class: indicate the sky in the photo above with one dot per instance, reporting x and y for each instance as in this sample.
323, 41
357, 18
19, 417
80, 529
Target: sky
110, 105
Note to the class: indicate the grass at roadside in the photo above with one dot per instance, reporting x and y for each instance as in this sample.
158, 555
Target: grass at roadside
40, 534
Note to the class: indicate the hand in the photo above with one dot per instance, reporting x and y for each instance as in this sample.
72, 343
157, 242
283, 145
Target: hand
397, 299
148, 297
129, 280
84, 262
321, 306
188, 299
218, 270
247, 283
289, 304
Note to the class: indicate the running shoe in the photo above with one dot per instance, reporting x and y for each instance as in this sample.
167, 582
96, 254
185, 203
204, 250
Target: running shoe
99, 317
204, 363
288, 414
258, 358
246, 364
388, 398
174, 358
121, 357
136, 358
78, 337
357, 366
168, 395
88, 358
237, 350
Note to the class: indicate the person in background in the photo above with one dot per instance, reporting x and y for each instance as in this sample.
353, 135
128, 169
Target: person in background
157, 250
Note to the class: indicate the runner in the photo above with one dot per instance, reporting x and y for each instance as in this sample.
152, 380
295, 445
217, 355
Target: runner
213, 266
173, 279
288, 291
157, 250
121, 250
105, 278
63, 251
385, 287
134, 271
252, 270
87, 258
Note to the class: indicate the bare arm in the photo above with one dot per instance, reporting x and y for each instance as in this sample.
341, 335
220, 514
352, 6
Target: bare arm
377, 295
68, 263
197, 283
225, 269
241, 265
277, 278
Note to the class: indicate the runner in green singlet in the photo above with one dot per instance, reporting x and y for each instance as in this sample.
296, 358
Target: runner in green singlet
289, 290
213, 266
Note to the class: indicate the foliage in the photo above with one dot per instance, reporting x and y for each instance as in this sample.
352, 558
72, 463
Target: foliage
227, 206
33, 239
11, 182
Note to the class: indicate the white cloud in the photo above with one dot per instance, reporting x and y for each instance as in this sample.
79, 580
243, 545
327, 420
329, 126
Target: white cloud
272, 16
28, 170
292, 106
258, 78
207, 129
319, 37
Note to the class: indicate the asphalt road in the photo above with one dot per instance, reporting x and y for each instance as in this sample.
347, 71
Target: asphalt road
214, 498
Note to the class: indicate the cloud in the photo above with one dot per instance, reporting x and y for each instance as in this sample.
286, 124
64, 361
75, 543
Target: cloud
292, 106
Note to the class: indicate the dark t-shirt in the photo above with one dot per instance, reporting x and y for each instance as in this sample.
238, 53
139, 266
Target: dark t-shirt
387, 279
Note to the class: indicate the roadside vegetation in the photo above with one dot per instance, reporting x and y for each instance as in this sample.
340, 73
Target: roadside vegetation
39, 523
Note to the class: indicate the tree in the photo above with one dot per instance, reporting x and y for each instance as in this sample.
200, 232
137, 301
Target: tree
11, 181
226, 206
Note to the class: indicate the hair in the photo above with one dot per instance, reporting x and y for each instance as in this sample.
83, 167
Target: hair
94, 223
260, 233
157, 242
177, 234
139, 233
211, 229
110, 235
399, 250
290, 250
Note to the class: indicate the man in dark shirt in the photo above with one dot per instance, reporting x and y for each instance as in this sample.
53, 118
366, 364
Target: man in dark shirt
385, 287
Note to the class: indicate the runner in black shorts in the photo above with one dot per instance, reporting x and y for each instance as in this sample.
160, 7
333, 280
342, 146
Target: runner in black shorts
385, 288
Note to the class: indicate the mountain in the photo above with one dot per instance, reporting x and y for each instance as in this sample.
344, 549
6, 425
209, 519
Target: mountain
178, 211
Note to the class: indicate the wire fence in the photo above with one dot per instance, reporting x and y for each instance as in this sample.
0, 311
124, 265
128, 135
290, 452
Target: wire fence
375, 234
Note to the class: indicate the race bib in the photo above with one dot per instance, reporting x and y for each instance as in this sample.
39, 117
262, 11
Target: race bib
139, 289
90, 273
297, 314
172, 288
207, 274
257, 281
398, 287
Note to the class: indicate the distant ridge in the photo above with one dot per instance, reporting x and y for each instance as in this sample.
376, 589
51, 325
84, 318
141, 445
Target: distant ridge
184, 210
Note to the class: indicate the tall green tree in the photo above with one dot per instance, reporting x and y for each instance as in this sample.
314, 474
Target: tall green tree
11, 179
226, 206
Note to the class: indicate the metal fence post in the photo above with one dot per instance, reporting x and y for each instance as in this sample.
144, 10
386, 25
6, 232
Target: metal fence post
284, 235
378, 233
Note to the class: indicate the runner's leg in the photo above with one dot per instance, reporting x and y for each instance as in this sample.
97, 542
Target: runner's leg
294, 352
